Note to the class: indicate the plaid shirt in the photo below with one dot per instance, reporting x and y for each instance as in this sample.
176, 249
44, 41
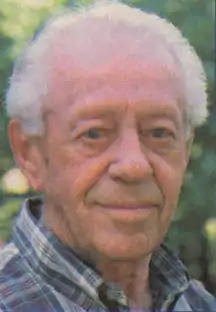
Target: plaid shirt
39, 274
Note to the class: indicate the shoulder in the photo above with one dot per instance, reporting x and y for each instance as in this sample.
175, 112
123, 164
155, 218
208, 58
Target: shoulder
10, 273
198, 298
7, 253
21, 290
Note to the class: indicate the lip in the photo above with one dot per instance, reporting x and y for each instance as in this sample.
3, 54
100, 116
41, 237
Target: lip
129, 207
129, 214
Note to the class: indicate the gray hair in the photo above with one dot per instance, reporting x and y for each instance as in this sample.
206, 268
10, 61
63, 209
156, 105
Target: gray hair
29, 83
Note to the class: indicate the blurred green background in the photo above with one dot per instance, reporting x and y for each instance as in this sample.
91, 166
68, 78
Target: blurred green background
193, 230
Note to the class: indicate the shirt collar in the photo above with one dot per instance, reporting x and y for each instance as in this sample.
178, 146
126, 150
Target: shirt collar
48, 257
168, 276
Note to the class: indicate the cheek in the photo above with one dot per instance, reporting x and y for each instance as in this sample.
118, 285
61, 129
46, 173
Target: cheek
90, 172
169, 175
73, 174
59, 177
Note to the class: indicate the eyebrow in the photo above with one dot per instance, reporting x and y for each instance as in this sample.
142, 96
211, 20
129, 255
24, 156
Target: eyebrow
98, 110
169, 114
93, 111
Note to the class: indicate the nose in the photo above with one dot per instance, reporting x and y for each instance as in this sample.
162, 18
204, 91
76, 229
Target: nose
131, 163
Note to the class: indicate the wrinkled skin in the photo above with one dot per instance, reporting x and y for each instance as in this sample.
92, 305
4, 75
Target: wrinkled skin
113, 157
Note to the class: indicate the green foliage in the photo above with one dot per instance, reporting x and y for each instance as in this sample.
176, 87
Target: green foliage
195, 18
7, 213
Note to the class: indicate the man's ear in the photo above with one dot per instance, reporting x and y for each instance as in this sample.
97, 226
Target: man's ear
27, 155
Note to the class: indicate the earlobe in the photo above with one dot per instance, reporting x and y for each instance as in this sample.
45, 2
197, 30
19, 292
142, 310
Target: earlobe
26, 154
17, 141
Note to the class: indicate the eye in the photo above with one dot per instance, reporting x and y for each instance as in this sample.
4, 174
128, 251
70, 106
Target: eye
162, 133
93, 134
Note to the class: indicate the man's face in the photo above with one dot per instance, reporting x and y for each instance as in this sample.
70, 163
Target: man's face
116, 151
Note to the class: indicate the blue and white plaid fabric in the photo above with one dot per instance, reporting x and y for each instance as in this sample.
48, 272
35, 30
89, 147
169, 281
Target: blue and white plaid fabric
39, 274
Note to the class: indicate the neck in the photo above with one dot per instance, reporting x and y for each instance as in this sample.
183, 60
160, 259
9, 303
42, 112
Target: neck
132, 277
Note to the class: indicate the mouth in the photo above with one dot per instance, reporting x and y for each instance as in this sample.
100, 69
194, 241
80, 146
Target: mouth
123, 205
129, 213
129, 207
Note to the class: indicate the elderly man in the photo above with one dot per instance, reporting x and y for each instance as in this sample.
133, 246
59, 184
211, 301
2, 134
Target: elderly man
103, 106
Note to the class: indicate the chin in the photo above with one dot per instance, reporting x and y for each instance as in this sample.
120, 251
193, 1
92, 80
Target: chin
125, 249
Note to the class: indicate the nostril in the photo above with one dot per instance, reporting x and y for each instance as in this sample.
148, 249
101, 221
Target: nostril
130, 171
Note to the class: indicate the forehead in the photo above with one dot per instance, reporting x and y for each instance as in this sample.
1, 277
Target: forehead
115, 64
98, 41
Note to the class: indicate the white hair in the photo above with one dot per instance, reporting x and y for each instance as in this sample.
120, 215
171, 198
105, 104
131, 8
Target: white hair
29, 83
